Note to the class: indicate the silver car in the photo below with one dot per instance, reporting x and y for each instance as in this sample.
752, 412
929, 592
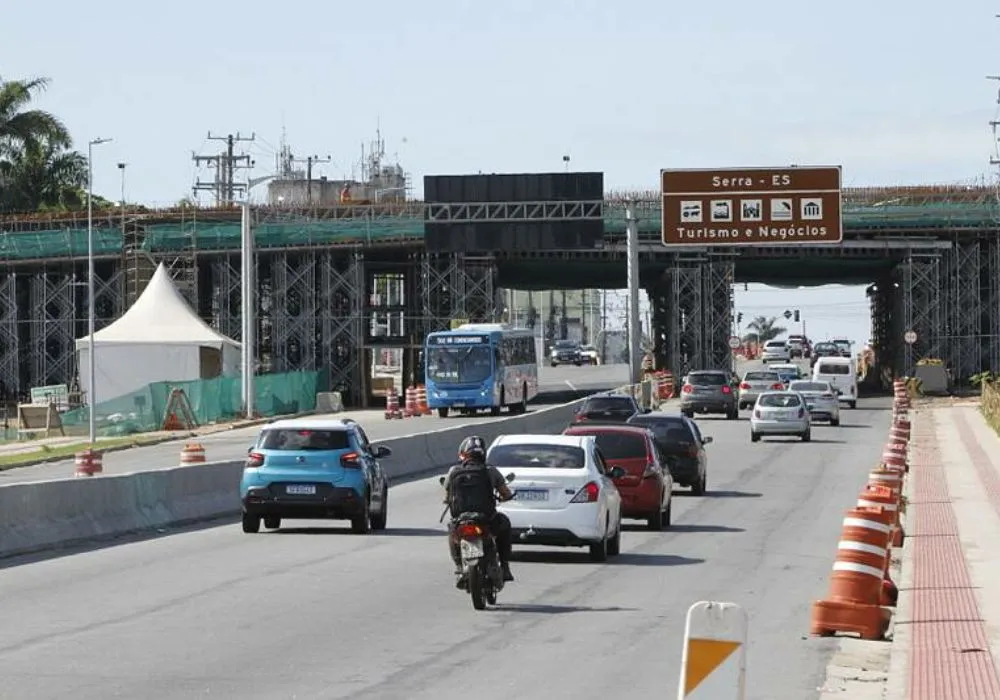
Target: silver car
821, 400
755, 382
775, 350
780, 413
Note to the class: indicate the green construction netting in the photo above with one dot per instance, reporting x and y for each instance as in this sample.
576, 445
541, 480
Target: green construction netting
211, 401
72, 242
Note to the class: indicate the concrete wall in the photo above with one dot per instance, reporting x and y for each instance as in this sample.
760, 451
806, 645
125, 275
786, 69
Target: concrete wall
43, 515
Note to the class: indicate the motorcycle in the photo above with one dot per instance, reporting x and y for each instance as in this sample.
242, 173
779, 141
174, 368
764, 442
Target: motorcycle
481, 575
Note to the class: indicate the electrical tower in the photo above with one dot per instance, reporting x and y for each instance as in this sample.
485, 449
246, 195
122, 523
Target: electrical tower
225, 165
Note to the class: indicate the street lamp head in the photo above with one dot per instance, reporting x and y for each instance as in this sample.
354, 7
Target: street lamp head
121, 166
95, 142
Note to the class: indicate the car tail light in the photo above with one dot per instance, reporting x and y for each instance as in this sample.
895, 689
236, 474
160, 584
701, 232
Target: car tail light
351, 460
756, 413
692, 451
255, 459
687, 389
777, 386
588, 494
802, 413
469, 530
744, 386
726, 389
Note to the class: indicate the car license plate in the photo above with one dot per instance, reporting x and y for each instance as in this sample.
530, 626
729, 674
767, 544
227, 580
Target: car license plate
531, 495
471, 548
459, 404
301, 489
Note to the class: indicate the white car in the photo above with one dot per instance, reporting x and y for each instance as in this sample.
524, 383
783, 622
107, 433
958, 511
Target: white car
780, 413
775, 351
821, 400
588, 353
564, 495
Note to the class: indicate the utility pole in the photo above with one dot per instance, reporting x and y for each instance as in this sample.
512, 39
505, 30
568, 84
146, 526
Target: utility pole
310, 161
225, 164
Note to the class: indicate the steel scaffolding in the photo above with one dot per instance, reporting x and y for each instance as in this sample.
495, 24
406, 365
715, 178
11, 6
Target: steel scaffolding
10, 372
962, 312
289, 315
52, 328
341, 325
224, 292
919, 279
460, 287
991, 303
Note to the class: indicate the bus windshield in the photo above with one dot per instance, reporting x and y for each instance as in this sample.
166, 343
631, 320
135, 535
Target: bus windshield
460, 365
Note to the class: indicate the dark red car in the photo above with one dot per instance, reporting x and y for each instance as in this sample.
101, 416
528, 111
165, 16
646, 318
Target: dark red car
647, 488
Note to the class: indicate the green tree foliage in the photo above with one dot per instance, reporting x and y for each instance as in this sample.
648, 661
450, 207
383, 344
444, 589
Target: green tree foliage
38, 169
763, 329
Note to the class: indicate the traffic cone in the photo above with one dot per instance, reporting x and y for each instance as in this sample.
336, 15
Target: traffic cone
853, 604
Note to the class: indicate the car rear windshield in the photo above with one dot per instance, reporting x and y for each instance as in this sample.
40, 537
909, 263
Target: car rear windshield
537, 456
668, 431
292, 440
809, 386
608, 403
761, 377
775, 344
834, 369
780, 401
706, 379
615, 445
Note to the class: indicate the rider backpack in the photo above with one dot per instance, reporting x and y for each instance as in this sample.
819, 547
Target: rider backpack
471, 490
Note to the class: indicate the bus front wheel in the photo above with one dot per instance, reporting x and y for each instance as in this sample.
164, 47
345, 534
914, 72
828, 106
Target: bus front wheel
443, 412
495, 410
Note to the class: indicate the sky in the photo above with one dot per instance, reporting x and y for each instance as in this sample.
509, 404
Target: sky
893, 91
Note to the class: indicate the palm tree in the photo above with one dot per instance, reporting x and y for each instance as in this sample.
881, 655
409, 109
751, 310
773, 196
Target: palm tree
763, 329
19, 126
41, 176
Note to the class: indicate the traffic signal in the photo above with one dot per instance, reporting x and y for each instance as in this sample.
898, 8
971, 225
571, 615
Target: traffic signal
796, 315
739, 317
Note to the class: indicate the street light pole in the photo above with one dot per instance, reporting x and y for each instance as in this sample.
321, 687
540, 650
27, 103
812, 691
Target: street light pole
121, 167
91, 311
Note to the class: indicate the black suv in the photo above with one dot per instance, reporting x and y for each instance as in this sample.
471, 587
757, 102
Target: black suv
566, 352
608, 408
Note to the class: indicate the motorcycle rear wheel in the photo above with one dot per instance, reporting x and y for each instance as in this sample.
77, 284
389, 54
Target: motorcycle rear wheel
477, 589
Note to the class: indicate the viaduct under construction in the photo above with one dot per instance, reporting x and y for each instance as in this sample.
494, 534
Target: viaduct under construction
336, 283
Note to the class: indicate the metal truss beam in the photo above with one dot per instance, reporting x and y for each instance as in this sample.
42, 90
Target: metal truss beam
52, 328
437, 291
10, 374
341, 325
512, 212
717, 312
475, 281
108, 300
292, 312
919, 278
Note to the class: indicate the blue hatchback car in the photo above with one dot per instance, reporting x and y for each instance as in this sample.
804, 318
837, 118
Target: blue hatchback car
314, 469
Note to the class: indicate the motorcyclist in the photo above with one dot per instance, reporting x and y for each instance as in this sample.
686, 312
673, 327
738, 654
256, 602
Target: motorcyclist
472, 453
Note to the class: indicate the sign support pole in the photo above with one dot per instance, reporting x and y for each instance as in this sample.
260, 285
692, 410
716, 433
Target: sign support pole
632, 273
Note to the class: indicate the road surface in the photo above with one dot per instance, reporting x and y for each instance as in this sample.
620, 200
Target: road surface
320, 613
570, 382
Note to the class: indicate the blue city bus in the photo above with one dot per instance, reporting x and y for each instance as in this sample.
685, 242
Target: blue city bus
480, 366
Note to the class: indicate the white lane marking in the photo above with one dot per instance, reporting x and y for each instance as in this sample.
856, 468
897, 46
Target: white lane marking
570, 385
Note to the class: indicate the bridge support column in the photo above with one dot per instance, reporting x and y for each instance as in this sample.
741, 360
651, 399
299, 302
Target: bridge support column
991, 303
919, 279
962, 310
341, 323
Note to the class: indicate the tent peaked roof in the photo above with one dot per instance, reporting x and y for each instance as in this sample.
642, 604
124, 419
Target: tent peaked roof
161, 315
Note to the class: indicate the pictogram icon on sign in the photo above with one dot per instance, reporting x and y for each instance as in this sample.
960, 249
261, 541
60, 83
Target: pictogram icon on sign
722, 210
751, 210
691, 211
812, 209
781, 209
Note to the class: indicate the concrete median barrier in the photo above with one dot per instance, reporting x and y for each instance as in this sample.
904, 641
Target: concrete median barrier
43, 515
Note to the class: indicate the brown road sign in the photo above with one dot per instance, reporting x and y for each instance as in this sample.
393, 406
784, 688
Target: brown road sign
751, 206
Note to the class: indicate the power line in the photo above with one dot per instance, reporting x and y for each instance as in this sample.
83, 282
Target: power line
225, 187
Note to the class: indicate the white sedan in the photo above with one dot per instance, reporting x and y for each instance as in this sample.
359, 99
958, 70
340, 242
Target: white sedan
821, 400
564, 495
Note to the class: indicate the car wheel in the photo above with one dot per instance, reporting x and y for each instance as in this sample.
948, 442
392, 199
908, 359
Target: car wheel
807, 436
655, 521
835, 422
666, 516
853, 404
599, 550
362, 524
615, 543
698, 489
754, 437
272, 523
689, 414
378, 520
251, 524
733, 415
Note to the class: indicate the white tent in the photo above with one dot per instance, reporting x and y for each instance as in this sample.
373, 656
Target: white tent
160, 338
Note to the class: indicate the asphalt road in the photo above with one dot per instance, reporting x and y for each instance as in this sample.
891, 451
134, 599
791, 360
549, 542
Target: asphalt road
569, 382
320, 613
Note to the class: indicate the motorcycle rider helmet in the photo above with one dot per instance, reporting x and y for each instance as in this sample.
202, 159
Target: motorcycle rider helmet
472, 449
